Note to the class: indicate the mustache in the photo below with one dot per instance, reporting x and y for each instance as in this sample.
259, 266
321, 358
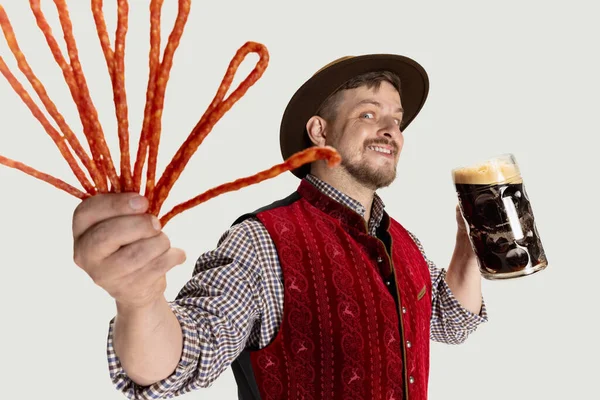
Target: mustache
381, 141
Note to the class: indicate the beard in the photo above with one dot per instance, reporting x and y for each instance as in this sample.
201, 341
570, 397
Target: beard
365, 174
368, 175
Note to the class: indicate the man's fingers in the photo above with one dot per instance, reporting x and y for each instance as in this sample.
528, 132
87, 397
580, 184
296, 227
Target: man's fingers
146, 279
108, 236
128, 259
105, 206
166, 261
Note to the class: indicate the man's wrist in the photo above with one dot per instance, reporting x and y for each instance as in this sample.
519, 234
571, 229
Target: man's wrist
127, 310
463, 248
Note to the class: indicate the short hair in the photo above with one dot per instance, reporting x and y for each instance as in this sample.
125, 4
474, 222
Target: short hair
328, 108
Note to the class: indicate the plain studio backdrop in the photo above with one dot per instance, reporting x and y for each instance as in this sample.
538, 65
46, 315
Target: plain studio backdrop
509, 77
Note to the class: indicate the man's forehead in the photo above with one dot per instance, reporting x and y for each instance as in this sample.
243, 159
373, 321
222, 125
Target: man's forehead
374, 96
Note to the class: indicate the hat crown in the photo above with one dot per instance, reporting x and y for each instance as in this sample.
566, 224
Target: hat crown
333, 63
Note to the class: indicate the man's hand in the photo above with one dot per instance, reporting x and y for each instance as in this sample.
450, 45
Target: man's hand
463, 244
463, 276
462, 234
462, 227
123, 249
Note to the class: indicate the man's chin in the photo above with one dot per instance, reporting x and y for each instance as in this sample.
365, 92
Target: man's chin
384, 182
375, 179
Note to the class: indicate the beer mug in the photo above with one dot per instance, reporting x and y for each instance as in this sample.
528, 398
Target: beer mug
499, 218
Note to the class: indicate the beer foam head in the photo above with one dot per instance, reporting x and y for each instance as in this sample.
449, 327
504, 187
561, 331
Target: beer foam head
488, 173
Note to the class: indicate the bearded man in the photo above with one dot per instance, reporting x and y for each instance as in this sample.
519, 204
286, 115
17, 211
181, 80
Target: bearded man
319, 295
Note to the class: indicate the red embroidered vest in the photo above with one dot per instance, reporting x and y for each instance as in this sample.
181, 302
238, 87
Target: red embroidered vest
356, 318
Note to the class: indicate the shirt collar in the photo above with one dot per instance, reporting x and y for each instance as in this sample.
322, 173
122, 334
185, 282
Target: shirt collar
377, 209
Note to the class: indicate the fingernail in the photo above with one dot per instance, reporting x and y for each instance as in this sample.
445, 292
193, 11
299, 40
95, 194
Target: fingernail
156, 223
137, 202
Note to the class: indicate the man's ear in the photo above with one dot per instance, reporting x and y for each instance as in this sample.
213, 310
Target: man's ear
316, 129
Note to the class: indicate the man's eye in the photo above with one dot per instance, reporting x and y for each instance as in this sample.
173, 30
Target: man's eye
367, 115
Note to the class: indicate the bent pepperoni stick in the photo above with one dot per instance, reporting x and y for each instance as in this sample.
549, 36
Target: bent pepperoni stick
53, 133
159, 96
92, 113
154, 61
44, 177
43, 95
238, 58
115, 61
295, 161
209, 119
230, 75
97, 170
200, 130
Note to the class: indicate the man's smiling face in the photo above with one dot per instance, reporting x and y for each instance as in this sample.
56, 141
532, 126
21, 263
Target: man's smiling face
366, 133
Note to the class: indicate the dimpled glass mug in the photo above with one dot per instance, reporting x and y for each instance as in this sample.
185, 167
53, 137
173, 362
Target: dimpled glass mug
499, 218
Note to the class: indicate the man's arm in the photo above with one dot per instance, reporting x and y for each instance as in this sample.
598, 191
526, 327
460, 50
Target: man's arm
229, 304
451, 323
463, 276
148, 341
455, 315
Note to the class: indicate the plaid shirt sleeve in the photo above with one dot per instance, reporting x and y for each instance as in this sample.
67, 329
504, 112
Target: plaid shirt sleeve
233, 301
451, 323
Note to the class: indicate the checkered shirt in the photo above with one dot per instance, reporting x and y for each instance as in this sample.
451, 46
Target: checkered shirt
234, 301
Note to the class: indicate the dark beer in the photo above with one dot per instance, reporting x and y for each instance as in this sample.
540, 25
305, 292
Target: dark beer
500, 220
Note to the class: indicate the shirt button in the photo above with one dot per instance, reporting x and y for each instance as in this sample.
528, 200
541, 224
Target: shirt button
379, 259
388, 283
411, 379
408, 344
403, 310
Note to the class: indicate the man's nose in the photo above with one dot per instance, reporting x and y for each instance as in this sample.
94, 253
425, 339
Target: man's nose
389, 128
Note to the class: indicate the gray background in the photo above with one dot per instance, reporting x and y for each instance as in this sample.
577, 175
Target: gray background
514, 76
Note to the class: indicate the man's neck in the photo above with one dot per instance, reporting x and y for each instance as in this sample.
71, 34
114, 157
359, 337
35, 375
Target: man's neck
350, 187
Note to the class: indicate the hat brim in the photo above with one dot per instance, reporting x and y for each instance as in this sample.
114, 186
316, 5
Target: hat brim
309, 97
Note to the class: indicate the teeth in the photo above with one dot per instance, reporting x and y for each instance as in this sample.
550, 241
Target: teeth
380, 149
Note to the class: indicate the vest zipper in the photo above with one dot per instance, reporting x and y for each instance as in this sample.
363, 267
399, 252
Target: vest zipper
399, 311
402, 335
